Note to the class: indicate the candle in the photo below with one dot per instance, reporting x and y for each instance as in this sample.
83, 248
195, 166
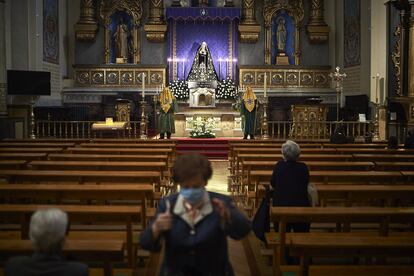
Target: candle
143, 86
183, 60
265, 85
376, 87
220, 60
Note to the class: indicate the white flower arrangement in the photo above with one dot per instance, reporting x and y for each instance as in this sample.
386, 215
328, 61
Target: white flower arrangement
180, 90
202, 127
226, 90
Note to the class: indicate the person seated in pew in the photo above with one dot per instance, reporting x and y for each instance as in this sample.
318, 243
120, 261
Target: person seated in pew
195, 224
290, 180
409, 140
48, 228
339, 137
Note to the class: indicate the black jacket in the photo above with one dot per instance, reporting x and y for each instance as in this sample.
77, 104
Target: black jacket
44, 265
201, 251
290, 181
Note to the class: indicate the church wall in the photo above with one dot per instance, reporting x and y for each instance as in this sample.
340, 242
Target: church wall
151, 53
19, 34
358, 80
73, 17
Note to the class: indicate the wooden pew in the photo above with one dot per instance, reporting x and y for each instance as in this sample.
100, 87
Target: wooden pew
375, 151
383, 157
382, 216
248, 166
307, 247
132, 141
105, 252
46, 140
110, 157
394, 166
31, 150
99, 166
23, 156
12, 164
329, 177
277, 157
35, 144
128, 145
126, 215
61, 192
32, 176
357, 193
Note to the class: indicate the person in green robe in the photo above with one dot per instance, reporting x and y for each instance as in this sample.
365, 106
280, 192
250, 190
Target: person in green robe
248, 111
169, 106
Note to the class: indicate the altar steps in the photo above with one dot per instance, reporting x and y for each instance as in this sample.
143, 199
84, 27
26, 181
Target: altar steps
213, 148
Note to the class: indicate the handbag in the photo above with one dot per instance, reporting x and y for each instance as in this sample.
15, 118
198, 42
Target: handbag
261, 220
313, 195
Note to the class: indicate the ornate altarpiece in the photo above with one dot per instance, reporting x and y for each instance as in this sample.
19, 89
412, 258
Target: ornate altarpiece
133, 8
272, 9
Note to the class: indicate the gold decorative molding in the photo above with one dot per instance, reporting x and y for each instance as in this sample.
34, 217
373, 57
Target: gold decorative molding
408, 105
118, 75
87, 26
286, 77
156, 28
396, 60
134, 9
295, 9
318, 31
249, 29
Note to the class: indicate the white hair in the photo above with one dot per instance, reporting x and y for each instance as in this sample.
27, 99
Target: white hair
290, 151
48, 228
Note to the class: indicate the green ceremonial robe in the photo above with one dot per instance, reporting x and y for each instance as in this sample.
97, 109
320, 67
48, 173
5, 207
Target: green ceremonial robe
249, 119
166, 120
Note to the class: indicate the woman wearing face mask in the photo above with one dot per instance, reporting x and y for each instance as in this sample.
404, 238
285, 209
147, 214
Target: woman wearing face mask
194, 224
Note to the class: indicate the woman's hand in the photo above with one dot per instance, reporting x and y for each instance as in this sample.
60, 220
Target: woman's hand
163, 222
221, 208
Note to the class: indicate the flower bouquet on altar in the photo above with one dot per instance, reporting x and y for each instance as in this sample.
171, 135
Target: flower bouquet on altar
202, 127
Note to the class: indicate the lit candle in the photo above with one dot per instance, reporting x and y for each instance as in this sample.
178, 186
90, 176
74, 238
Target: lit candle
143, 86
265, 85
182, 62
220, 60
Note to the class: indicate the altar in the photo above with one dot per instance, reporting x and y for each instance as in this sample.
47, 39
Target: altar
227, 122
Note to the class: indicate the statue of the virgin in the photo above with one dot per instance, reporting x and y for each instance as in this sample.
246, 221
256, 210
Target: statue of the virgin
203, 69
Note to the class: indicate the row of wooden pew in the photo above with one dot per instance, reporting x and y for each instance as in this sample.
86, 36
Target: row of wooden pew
366, 200
109, 188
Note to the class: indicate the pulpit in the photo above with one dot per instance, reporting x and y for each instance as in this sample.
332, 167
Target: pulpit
309, 121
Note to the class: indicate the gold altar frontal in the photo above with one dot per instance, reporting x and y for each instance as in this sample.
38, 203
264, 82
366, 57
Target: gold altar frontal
227, 122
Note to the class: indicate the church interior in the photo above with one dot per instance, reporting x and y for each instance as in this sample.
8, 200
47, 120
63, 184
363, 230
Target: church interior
100, 98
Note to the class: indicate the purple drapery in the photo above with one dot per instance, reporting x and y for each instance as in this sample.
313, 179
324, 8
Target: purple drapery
189, 27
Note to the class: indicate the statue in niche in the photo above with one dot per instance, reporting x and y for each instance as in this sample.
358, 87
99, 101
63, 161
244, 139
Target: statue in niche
202, 69
281, 36
121, 38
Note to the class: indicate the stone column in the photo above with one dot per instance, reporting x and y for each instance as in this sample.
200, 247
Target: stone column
87, 26
411, 53
249, 29
3, 95
155, 28
318, 31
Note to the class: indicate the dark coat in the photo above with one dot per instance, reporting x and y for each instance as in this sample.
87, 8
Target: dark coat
409, 142
202, 251
44, 265
290, 181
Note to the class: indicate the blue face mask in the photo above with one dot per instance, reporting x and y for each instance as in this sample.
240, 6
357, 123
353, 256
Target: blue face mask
193, 195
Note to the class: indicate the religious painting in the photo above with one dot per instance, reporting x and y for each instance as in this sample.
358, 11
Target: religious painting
51, 31
121, 42
352, 33
283, 36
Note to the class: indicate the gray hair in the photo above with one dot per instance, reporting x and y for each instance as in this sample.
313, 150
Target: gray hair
48, 228
290, 151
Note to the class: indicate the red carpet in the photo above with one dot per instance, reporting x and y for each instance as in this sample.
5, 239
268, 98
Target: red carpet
213, 148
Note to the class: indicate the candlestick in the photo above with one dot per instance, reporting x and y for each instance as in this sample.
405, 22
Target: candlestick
265, 85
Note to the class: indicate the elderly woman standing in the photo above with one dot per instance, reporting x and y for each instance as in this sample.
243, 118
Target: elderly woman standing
195, 224
290, 181
48, 228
